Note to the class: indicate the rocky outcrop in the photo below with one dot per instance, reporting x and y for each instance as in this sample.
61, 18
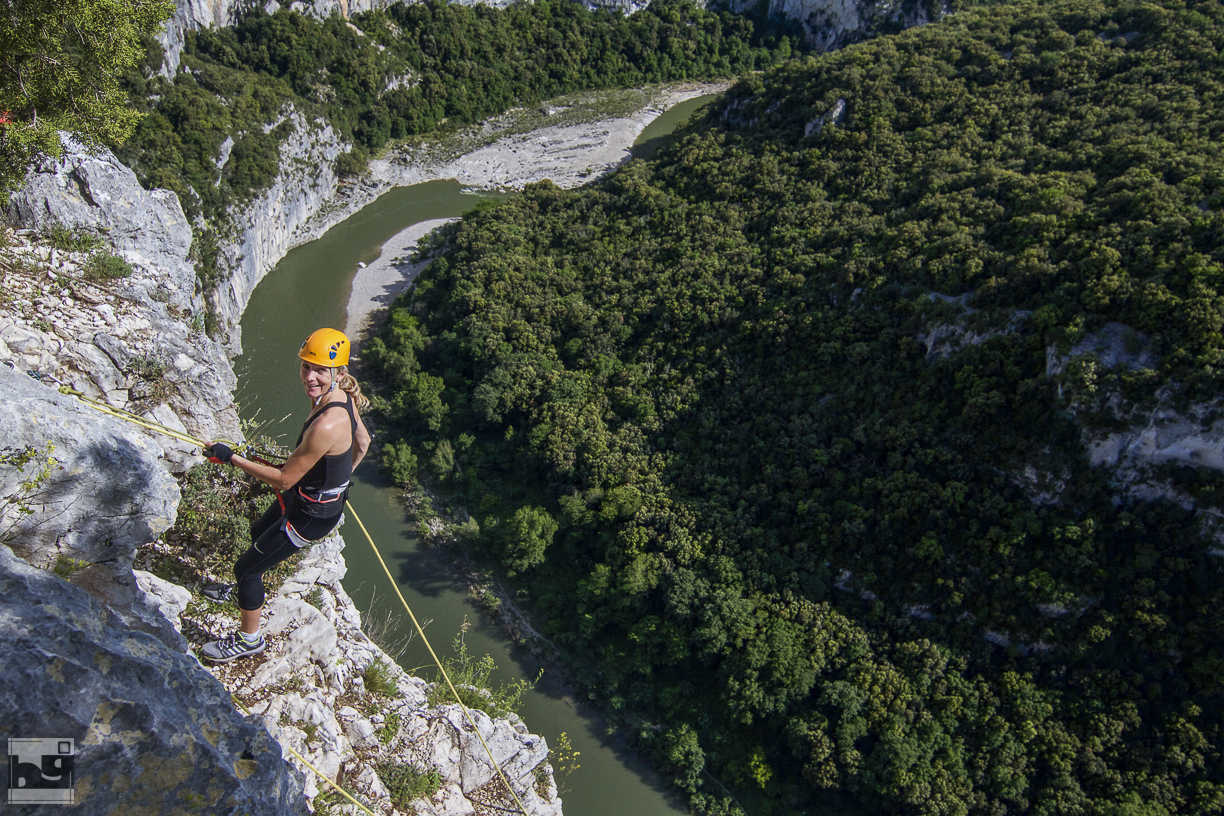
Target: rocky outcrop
135, 342
831, 24
1150, 435
95, 192
101, 494
309, 687
149, 729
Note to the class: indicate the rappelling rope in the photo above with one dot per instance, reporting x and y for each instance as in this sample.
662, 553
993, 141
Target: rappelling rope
129, 417
306, 762
153, 426
434, 655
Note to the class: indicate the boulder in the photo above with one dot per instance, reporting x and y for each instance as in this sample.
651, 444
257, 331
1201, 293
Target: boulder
152, 733
104, 495
170, 599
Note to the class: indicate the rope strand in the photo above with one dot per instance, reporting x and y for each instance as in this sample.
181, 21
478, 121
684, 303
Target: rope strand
153, 426
306, 762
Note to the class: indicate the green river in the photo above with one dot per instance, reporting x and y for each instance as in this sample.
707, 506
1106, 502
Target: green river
309, 288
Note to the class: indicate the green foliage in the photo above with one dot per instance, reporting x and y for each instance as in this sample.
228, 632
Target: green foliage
389, 729
352, 163
472, 679
400, 463
65, 566
106, 266
442, 462
820, 510
146, 367
530, 531
62, 62
213, 526
379, 678
71, 240
563, 757
24, 473
406, 783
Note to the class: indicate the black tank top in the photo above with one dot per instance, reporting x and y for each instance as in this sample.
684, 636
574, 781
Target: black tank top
332, 470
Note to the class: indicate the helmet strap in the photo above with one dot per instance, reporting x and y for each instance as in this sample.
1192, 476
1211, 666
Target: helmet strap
334, 380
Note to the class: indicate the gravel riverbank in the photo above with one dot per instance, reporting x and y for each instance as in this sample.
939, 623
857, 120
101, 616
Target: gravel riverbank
569, 155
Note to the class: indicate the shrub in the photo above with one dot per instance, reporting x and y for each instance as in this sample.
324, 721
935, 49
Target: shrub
531, 531
379, 679
400, 463
352, 163
471, 678
406, 783
106, 266
215, 513
34, 466
77, 239
389, 728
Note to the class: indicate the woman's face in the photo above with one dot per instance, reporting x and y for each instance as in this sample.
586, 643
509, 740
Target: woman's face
316, 379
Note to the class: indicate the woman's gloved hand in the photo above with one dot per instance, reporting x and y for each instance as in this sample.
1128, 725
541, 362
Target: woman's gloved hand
220, 453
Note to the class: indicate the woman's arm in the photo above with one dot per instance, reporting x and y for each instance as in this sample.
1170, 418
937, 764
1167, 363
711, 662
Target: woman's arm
318, 439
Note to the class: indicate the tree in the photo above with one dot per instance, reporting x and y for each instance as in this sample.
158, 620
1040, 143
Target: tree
531, 531
60, 65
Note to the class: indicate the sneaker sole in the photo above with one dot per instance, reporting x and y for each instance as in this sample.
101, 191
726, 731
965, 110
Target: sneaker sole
251, 653
215, 599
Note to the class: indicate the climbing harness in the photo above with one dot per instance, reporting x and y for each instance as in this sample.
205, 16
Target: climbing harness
153, 426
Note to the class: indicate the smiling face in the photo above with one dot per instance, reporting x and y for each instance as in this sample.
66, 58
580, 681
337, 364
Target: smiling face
316, 379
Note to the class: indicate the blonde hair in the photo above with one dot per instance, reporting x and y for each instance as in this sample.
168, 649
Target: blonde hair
348, 384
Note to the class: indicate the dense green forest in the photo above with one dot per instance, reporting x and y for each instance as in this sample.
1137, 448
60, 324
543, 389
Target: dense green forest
707, 417
405, 70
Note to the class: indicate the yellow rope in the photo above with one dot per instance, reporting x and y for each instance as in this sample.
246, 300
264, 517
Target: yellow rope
135, 420
129, 417
306, 762
434, 655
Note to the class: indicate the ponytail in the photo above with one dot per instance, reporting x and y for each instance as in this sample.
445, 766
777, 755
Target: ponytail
348, 384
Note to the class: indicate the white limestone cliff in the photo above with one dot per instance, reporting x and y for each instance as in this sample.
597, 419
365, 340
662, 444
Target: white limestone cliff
831, 24
136, 342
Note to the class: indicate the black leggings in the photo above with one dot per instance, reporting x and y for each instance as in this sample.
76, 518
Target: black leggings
271, 546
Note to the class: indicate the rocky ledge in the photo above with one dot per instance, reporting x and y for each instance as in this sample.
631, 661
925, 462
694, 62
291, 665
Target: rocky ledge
100, 297
326, 690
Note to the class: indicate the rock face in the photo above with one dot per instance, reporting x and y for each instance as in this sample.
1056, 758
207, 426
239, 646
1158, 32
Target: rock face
1152, 434
309, 688
831, 24
135, 342
271, 225
96, 192
150, 729
104, 495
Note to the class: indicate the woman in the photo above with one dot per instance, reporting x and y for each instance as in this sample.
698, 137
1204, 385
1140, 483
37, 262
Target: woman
312, 484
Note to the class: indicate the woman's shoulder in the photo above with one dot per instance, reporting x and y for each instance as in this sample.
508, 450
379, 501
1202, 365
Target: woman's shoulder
328, 417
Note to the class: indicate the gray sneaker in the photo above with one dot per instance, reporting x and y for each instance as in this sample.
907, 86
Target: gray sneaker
219, 593
231, 648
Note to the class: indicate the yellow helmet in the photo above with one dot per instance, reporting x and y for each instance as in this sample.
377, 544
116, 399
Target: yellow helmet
326, 347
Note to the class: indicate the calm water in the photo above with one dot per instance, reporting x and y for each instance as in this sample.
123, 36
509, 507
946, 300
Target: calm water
309, 288
657, 133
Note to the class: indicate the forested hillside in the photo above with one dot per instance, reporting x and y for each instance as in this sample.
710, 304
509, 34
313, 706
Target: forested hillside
406, 70
783, 436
